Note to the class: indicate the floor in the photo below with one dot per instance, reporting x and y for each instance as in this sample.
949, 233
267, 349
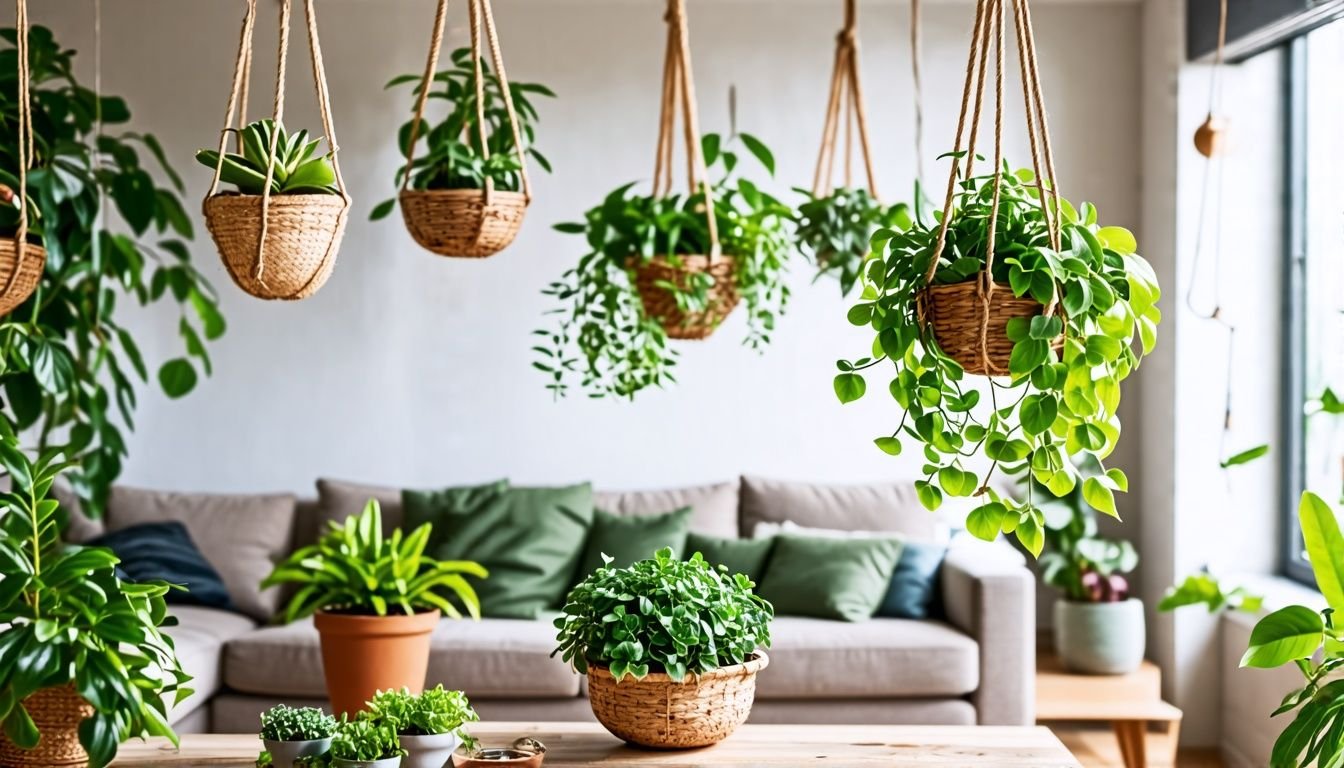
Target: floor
1095, 747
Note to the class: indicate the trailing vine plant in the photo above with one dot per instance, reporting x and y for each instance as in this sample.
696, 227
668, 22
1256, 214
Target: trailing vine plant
834, 230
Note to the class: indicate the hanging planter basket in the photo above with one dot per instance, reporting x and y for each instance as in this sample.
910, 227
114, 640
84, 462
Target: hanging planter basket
57, 713
971, 330
21, 262
650, 275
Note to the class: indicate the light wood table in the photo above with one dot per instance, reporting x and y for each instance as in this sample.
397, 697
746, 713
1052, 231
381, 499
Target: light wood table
576, 745
1128, 702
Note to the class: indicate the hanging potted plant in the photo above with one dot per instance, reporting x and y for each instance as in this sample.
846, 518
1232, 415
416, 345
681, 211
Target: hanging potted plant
657, 676
279, 231
1016, 284
290, 733
429, 725
467, 196
22, 255
375, 601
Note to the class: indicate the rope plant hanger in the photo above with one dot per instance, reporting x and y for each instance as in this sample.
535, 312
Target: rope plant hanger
278, 235
469, 223
21, 262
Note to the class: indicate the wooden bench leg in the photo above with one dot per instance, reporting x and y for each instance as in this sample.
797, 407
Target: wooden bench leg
1174, 738
1131, 734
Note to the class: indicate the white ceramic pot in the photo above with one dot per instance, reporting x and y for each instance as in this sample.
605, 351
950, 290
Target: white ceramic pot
387, 762
434, 751
284, 753
1100, 638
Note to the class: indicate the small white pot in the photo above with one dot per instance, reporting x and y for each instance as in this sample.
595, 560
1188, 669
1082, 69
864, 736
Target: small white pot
434, 751
284, 753
1100, 638
386, 762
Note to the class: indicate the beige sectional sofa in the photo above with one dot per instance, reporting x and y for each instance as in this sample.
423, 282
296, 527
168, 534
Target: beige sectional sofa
973, 664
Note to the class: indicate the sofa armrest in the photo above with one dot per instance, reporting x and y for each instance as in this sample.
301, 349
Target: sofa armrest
993, 599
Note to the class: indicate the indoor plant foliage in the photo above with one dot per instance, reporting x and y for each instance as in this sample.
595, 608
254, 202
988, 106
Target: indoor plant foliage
290, 733
603, 333
1063, 388
366, 743
297, 170
86, 643
429, 724
68, 366
834, 230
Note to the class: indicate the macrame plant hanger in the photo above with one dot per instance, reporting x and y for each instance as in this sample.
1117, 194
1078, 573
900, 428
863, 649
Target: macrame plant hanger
846, 97
917, 80
277, 246
969, 319
21, 262
466, 223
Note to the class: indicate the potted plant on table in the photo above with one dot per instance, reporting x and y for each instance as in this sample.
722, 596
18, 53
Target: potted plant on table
671, 648
290, 733
366, 743
374, 600
429, 725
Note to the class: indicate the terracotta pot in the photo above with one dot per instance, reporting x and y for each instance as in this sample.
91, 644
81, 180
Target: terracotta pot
365, 654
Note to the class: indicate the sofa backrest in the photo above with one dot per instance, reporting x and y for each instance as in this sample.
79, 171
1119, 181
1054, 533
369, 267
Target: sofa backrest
869, 507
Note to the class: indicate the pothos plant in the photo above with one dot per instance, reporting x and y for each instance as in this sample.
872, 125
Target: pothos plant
1055, 404
69, 368
602, 334
834, 231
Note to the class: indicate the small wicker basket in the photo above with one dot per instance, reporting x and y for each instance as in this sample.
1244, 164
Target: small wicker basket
57, 713
466, 223
657, 712
25, 280
957, 315
662, 306
303, 234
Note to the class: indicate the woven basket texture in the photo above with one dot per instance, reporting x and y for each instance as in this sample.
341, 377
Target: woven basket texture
303, 234
30, 273
57, 712
662, 306
457, 222
956, 313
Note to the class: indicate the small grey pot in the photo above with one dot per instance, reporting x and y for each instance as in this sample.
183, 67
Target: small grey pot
434, 751
386, 762
284, 753
1100, 638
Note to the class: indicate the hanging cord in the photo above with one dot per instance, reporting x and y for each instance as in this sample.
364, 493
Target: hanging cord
240, 71
497, 57
916, 75
25, 141
846, 96
278, 117
431, 66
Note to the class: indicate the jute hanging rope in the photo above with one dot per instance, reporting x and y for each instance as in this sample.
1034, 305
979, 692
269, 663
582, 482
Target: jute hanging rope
277, 246
21, 262
846, 97
469, 223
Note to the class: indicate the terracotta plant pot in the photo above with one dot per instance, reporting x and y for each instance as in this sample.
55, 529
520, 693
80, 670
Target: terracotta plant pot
284, 753
365, 654
432, 751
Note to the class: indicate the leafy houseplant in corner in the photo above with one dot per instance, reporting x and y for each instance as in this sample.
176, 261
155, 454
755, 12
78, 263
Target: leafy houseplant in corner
670, 647
429, 725
366, 743
375, 601
291, 733
84, 664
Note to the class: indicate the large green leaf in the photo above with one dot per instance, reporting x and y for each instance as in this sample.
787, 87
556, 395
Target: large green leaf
1325, 548
1284, 636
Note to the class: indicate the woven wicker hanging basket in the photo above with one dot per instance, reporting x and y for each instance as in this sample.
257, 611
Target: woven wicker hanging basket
956, 315
21, 262
57, 713
20, 272
662, 305
657, 712
276, 246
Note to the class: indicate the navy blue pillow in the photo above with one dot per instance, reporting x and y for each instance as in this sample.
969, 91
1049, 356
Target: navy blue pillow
165, 551
914, 583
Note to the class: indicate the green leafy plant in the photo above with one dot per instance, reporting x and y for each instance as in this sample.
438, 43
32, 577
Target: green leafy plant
355, 569
1075, 560
834, 231
68, 366
264, 760
1053, 406
1244, 457
298, 169
365, 738
603, 334
1299, 635
432, 712
453, 158
662, 615
1204, 589
69, 620
286, 723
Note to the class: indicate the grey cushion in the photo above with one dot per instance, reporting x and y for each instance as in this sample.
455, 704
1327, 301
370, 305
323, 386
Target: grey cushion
874, 659
199, 639
879, 507
340, 499
243, 536
714, 508
81, 527
489, 659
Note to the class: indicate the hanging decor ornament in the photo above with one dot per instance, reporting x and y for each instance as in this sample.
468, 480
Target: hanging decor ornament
21, 262
1015, 284
279, 233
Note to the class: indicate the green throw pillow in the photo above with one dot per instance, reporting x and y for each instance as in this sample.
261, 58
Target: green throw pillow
746, 556
629, 539
530, 539
842, 579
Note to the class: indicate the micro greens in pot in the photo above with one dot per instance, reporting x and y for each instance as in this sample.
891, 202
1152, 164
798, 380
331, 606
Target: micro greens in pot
285, 723
298, 169
436, 710
365, 738
1052, 406
834, 230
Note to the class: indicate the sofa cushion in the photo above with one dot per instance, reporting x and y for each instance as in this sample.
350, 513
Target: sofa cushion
745, 556
165, 552
199, 638
878, 658
488, 659
242, 535
341, 499
891, 507
713, 507
829, 578
627, 540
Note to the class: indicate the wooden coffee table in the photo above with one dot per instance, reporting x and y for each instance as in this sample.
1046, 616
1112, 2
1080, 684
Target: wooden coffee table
579, 745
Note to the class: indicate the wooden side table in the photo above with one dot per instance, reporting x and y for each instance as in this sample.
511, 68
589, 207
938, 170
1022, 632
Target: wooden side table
1128, 702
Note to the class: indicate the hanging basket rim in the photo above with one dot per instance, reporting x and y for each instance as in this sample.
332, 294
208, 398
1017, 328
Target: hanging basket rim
507, 194
280, 198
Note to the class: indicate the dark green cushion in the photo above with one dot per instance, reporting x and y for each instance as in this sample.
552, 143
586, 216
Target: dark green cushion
530, 539
842, 579
914, 582
745, 556
629, 539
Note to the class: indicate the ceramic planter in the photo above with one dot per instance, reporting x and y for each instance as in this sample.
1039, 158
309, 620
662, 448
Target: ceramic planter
432, 751
284, 753
1100, 638
386, 762
365, 654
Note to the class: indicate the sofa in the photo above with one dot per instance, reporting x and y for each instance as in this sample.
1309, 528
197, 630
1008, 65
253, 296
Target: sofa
972, 663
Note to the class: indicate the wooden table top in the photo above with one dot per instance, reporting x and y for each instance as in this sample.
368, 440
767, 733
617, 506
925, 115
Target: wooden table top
583, 745
1065, 695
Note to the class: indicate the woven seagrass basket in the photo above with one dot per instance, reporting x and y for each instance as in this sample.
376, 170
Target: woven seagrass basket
662, 306
465, 223
956, 315
57, 712
27, 278
303, 234
657, 712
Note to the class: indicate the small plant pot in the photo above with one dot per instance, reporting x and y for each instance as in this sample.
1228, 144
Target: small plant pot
434, 751
303, 234
955, 314
365, 654
1100, 638
25, 273
466, 223
386, 762
525, 752
661, 305
284, 753
658, 712
57, 712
